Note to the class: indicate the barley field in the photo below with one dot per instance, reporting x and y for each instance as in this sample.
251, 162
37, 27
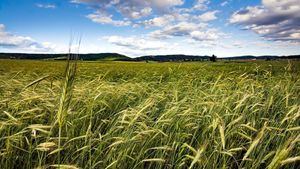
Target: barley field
124, 115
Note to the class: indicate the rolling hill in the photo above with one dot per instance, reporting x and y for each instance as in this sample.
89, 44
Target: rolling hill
120, 57
91, 57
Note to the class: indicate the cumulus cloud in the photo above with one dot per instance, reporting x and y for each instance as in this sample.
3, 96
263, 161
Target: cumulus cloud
201, 5
198, 32
136, 43
47, 6
198, 5
101, 18
142, 45
277, 20
159, 21
173, 18
207, 35
180, 29
136, 14
208, 16
133, 9
8, 40
168, 18
167, 15
132, 3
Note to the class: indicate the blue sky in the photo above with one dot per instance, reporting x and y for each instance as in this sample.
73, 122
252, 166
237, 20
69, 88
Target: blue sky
146, 27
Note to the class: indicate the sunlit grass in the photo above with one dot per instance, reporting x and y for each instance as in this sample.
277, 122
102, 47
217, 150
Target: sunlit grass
150, 115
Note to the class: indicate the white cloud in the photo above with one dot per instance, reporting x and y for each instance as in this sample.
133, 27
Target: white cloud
47, 6
165, 3
161, 12
133, 13
277, 20
178, 16
208, 16
290, 7
144, 12
198, 5
198, 32
134, 9
142, 45
107, 19
9, 41
224, 3
159, 21
180, 29
201, 5
166, 20
136, 43
208, 35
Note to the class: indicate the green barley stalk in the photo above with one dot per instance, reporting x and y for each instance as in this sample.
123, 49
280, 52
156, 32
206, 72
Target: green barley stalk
282, 153
66, 93
255, 142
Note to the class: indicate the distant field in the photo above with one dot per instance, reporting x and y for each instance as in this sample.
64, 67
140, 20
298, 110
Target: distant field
150, 115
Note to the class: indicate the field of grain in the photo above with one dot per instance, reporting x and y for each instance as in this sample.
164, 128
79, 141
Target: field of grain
149, 115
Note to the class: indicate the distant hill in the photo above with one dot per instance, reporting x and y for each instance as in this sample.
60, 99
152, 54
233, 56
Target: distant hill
250, 57
91, 57
103, 56
266, 57
171, 58
120, 57
187, 58
290, 57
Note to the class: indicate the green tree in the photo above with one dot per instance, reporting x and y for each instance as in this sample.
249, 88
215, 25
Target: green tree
213, 58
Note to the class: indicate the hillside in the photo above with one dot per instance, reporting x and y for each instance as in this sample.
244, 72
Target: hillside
91, 57
156, 58
264, 57
171, 58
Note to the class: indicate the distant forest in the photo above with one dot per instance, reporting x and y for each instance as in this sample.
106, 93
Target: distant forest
157, 58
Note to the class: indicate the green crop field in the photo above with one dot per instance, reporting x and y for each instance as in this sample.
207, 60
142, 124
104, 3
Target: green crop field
149, 115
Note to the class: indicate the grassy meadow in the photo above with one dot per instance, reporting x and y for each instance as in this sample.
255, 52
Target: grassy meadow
149, 115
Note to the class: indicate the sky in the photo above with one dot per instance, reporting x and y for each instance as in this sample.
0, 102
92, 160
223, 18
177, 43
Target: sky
151, 27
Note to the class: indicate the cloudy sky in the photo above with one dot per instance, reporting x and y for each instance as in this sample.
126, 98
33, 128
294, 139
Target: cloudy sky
145, 27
